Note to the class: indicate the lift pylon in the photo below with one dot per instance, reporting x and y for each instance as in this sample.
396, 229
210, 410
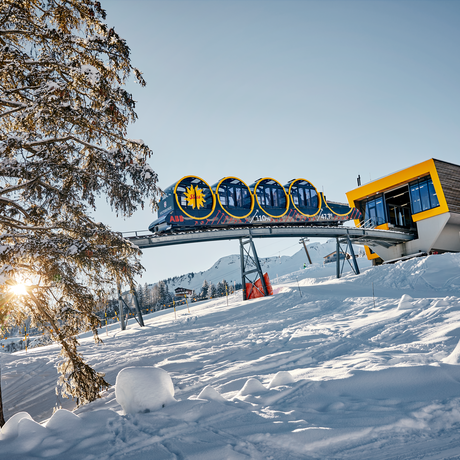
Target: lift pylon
250, 265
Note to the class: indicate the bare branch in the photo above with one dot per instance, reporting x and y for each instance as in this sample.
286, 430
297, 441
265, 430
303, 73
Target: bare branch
7, 103
9, 112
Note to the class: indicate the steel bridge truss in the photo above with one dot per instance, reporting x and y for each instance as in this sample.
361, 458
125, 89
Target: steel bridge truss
250, 265
250, 268
348, 256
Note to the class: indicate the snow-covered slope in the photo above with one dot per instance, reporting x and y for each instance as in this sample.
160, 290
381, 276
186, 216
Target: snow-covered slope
228, 268
364, 375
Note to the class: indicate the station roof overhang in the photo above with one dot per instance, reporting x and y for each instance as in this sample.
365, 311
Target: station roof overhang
398, 179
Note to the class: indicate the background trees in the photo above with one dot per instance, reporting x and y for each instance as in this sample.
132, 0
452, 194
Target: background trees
63, 121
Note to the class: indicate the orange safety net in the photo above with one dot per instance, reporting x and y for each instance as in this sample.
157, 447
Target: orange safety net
256, 290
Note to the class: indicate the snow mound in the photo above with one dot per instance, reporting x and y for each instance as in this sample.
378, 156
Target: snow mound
454, 357
405, 303
252, 386
143, 389
441, 303
31, 434
63, 417
11, 427
281, 378
211, 394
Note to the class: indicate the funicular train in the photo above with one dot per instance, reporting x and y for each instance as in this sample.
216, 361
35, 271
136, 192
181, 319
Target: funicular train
192, 204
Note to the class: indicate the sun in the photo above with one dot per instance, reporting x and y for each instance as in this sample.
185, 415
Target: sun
19, 289
195, 197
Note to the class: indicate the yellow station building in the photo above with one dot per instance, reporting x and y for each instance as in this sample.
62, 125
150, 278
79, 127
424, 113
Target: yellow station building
423, 200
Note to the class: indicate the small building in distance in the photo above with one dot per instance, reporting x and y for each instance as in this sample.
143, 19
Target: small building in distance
180, 292
332, 257
423, 200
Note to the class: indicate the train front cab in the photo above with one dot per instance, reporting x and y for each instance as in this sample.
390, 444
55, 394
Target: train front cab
194, 197
184, 202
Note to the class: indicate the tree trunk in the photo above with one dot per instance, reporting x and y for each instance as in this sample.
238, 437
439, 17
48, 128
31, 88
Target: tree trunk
2, 419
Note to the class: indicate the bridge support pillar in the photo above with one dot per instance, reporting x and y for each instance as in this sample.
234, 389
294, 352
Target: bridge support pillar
349, 256
353, 257
250, 265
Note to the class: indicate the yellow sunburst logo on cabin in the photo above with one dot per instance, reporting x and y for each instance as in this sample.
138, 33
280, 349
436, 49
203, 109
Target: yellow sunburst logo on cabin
195, 197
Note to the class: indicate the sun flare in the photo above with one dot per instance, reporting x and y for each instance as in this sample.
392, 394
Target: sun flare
19, 289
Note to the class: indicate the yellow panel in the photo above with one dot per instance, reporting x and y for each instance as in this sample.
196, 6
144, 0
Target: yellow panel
369, 255
401, 178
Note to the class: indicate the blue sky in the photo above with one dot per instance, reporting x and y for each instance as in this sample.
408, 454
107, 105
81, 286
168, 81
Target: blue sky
323, 90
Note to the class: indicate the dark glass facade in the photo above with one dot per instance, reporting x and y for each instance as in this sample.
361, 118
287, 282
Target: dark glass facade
422, 195
374, 211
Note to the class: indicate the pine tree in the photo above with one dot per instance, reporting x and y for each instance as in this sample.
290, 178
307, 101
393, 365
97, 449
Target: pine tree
63, 124
205, 289
221, 288
140, 297
212, 290
162, 293
147, 296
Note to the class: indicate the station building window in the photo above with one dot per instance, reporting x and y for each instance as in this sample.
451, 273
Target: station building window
374, 211
423, 195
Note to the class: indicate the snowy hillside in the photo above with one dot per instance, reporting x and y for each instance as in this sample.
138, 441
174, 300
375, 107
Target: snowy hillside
359, 367
228, 268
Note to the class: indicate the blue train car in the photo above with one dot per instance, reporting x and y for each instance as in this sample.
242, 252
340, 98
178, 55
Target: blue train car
192, 204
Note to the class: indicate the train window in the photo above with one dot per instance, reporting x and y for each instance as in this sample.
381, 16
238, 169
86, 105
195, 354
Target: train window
208, 199
231, 197
281, 198
223, 195
314, 199
236, 196
239, 199
295, 196
260, 195
275, 198
268, 197
304, 197
301, 197
246, 199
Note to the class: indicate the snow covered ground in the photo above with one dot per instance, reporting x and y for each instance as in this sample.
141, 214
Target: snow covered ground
325, 368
